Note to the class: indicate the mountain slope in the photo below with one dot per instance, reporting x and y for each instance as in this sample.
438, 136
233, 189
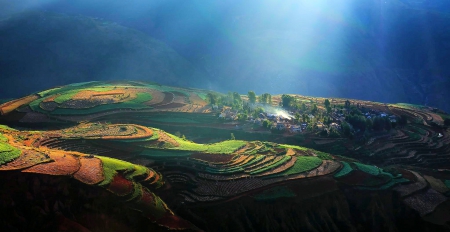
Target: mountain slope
52, 49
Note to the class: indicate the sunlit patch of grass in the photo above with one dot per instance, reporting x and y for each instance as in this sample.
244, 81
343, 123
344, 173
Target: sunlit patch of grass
111, 166
7, 152
273, 165
293, 146
303, 164
224, 147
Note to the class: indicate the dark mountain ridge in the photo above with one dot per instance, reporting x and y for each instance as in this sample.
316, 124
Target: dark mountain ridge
41, 50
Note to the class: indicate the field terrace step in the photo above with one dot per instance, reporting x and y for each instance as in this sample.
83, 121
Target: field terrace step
280, 168
266, 164
176, 178
213, 177
425, 202
260, 163
408, 189
190, 197
231, 188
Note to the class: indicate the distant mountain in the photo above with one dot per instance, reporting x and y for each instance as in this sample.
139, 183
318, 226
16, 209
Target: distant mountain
388, 51
41, 50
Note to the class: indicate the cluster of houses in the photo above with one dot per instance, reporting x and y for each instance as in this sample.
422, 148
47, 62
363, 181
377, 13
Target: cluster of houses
278, 122
284, 123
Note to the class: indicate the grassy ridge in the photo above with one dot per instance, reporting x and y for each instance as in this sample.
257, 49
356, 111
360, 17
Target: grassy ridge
224, 147
345, 170
302, 164
7, 152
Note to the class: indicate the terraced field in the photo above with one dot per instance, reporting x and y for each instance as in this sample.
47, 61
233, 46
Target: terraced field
158, 174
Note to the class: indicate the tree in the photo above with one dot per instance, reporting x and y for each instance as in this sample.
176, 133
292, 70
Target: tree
232, 137
346, 129
251, 97
242, 117
314, 109
347, 104
267, 123
303, 107
297, 117
257, 111
447, 122
237, 97
212, 98
287, 100
326, 103
265, 98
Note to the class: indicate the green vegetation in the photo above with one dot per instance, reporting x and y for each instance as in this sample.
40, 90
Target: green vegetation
408, 106
345, 170
224, 147
273, 165
164, 88
302, 164
252, 161
7, 152
275, 193
370, 169
202, 95
447, 183
83, 83
142, 97
49, 92
251, 97
160, 153
155, 136
111, 166
388, 185
228, 170
293, 147
173, 119
323, 155
69, 94
101, 108
7, 128
137, 192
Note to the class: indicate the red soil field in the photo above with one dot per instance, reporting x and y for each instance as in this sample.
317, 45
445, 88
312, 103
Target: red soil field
27, 159
120, 186
12, 105
64, 164
90, 172
355, 178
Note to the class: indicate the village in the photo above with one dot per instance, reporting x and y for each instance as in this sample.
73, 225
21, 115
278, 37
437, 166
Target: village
321, 118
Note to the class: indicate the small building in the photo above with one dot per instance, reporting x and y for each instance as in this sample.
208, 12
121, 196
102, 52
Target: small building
295, 129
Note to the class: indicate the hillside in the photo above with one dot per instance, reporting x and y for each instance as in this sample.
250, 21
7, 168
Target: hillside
48, 49
225, 186
421, 139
